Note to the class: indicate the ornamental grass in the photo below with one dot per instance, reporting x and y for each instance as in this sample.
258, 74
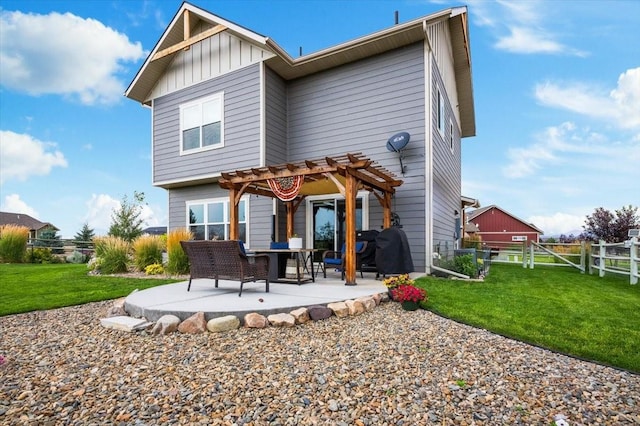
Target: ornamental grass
178, 261
112, 254
147, 250
13, 243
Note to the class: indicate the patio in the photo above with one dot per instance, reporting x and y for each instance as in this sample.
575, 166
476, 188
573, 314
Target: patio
174, 299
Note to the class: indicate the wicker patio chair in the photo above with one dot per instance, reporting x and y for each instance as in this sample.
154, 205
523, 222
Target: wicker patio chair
225, 260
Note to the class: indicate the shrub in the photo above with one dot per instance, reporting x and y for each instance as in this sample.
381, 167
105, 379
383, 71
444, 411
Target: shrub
112, 254
464, 264
147, 250
178, 261
40, 255
76, 257
154, 269
13, 243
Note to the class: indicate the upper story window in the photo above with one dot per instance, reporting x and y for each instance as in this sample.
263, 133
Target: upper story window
201, 124
440, 113
451, 139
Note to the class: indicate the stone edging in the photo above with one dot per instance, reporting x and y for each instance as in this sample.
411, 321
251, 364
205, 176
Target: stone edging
117, 318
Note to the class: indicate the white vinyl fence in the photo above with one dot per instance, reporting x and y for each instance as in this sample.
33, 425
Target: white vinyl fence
616, 258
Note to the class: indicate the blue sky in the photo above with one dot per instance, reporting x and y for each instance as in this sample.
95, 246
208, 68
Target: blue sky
556, 84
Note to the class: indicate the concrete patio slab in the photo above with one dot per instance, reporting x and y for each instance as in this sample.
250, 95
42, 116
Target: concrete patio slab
174, 299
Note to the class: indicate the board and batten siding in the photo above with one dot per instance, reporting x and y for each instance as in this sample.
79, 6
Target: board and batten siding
212, 57
241, 129
259, 224
356, 108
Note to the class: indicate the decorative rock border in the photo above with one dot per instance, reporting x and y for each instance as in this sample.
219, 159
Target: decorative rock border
117, 318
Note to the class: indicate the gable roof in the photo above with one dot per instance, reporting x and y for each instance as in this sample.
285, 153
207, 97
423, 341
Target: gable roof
21, 219
176, 38
478, 212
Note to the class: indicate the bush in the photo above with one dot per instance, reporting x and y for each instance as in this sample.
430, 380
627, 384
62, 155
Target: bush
147, 250
13, 243
465, 265
76, 257
40, 255
154, 269
112, 254
178, 261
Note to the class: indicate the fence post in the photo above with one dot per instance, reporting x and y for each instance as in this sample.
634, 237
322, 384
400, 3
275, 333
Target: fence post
583, 252
531, 256
524, 254
633, 256
601, 258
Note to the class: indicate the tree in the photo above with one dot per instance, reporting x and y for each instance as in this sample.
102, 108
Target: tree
610, 227
125, 221
84, 236
48, 238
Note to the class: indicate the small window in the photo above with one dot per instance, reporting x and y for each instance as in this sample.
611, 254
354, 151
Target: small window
201, 124
209, 220
451, 139
440, 112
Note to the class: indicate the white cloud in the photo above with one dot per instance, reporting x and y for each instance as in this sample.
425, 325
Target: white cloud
64, 54
24, 156
620, 106
519, 27
558, 223
13, 204
101, 207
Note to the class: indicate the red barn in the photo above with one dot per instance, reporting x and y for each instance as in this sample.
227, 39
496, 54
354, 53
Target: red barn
496, 224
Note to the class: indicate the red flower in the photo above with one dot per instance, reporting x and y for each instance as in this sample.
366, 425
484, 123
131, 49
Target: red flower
409, 293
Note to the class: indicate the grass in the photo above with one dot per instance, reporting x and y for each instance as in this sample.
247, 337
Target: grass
557, 308
28, 287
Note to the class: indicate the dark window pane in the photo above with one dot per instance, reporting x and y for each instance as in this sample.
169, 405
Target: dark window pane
211, 134
197, 231
216, 232
191, 139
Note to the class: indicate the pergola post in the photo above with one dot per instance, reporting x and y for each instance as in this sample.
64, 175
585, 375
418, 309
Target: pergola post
290, 214
386, 206
234, 227
351, 187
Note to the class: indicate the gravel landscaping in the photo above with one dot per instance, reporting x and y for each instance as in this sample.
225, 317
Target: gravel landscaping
384, 367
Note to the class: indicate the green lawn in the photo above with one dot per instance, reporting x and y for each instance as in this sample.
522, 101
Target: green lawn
27, 287
556, 308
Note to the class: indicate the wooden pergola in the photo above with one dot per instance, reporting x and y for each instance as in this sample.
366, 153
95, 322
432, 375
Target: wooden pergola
346, 174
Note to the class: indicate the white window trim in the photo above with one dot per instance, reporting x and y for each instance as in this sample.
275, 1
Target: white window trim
219, 96
225, 202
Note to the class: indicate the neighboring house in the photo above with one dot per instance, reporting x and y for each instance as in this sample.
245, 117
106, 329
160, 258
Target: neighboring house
224, 98
20, 219
155, 230
497, 225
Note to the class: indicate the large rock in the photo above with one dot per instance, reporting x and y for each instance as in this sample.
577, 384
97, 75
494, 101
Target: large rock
222, 324
356, 307
166, 324
319, 312
377, 298
195, 324
255, 320
301, 315
117, 309
368, 302
125, 323
340, 309
282, 320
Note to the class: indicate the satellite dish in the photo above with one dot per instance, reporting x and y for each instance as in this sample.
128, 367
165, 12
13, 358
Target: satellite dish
397, 142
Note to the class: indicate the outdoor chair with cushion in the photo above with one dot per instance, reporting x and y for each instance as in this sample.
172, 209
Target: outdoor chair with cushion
225, 260
335, 259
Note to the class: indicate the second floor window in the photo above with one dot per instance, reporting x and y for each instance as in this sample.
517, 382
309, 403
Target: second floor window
201, 124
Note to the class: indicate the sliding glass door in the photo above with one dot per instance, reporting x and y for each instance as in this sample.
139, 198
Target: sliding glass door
328, 223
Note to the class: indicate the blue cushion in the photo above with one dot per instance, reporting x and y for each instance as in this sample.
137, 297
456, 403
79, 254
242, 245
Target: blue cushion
242, 250
275, 245
359, 246
333, 261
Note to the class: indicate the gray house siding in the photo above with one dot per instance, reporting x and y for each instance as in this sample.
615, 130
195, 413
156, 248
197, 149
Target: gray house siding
259, 224
275, 118
446, 171
241, 129
356, 108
